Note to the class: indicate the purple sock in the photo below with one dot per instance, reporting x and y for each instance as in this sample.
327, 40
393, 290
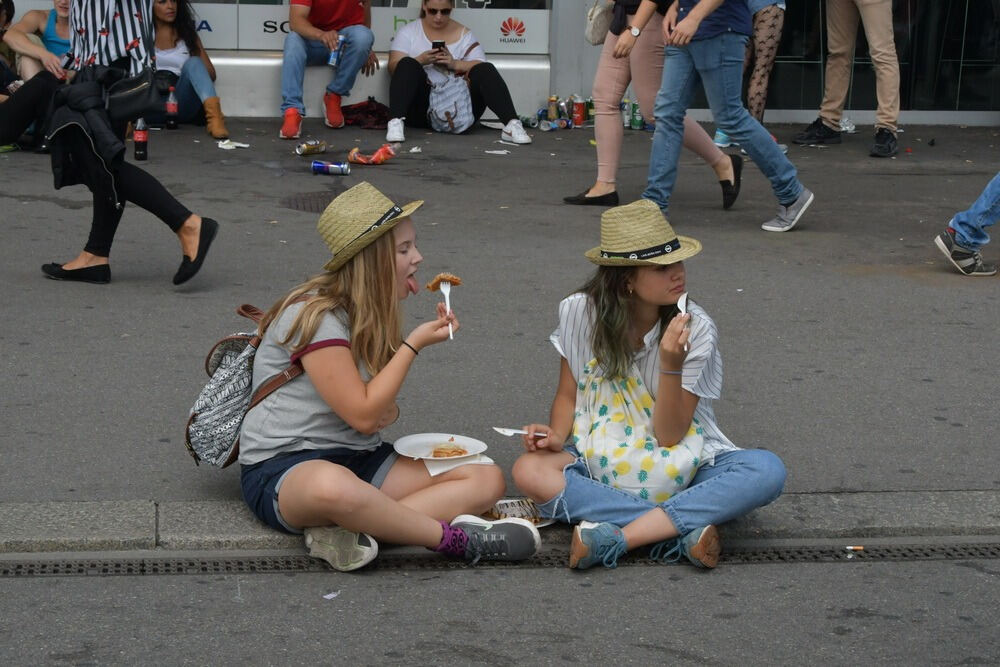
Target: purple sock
453, 541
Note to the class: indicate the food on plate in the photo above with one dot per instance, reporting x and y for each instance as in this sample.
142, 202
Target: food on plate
514, 508
435, 284
448, 450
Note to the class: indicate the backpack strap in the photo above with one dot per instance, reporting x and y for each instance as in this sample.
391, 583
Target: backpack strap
250, 312
272, 383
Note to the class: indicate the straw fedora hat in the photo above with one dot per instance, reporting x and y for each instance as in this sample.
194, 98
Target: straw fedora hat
355, 218
638, 234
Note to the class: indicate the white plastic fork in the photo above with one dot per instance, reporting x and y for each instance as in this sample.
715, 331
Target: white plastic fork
516, 431
446, 290
682, 304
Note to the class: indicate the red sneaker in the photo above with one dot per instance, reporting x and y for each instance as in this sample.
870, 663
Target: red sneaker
334, 116
292, 125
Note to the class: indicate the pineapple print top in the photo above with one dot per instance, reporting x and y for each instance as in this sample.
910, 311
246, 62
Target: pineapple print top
702, 367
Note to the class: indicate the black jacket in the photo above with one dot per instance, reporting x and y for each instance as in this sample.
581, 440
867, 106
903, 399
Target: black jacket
78, 111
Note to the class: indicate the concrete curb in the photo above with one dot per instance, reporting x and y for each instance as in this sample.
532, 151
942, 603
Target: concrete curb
133, 525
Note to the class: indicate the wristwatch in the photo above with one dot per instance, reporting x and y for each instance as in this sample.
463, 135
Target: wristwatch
635, 31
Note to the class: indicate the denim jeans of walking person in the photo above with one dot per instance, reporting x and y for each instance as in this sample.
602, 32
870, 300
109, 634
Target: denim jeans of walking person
970, 225
732, 485
717, 63
301, 52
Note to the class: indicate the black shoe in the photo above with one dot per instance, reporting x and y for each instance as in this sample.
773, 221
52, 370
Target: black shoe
610, 199
885, 143
817, 133
99, 275
188, 267
731, 189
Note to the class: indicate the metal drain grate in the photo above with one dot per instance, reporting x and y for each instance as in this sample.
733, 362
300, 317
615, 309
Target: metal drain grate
310, 202
405, 561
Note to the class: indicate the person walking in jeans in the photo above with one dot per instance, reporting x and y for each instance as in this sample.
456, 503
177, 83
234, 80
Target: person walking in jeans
966, 233
706, 42
841, 32
316, 27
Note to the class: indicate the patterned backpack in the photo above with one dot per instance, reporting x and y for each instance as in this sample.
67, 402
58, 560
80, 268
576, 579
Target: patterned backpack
213, 429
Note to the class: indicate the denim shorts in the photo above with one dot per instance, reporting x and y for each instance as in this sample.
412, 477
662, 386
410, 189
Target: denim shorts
261, 481
757, 5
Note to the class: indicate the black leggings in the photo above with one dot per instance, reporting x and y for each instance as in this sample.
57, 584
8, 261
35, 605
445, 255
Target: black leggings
409, 93
28, 104
132, 184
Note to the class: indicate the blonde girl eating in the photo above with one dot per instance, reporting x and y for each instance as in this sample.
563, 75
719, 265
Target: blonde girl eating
632, 452
312, 457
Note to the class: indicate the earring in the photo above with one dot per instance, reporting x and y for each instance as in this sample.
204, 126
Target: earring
630, 290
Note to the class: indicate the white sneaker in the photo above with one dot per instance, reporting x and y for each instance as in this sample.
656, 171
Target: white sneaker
514, 133
394, 132
343, 549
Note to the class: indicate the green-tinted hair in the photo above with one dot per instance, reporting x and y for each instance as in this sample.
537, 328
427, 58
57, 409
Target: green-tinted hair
612, 342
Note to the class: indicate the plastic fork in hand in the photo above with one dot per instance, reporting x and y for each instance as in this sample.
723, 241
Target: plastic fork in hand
516, 431
446, 290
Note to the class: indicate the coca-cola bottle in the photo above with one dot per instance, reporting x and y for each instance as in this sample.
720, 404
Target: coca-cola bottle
171, 110
140, 136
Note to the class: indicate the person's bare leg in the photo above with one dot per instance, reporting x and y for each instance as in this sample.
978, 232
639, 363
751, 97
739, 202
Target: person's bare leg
468, 489
189, 233
697, 141
29, 67
653, 526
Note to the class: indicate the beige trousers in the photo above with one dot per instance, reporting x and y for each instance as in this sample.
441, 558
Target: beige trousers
841, 32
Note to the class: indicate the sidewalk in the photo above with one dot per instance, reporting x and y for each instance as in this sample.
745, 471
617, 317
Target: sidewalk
852, 348
800, 519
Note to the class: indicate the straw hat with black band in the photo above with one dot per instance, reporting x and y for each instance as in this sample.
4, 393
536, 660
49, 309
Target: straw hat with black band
638, 234
355, 218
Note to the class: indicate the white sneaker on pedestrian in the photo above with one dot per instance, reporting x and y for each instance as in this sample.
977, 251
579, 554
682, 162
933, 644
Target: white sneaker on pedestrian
343, 549
514, 133
394, 133
789, 215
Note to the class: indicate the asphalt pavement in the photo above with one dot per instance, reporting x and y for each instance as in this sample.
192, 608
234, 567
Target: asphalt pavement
852, 349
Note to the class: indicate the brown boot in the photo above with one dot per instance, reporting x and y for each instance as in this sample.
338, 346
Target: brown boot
215, 122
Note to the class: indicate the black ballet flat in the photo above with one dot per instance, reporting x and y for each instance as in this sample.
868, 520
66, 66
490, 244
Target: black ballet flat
610, 199
99, 275
209, 228
731, 189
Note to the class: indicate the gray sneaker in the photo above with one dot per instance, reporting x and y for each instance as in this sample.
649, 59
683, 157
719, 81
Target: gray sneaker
967, 261
505, 539
789, 215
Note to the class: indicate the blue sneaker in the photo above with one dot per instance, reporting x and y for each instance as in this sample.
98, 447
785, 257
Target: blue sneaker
722, 140
701, 546
595, 543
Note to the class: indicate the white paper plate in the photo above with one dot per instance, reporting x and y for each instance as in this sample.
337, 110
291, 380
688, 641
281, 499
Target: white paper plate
420, 445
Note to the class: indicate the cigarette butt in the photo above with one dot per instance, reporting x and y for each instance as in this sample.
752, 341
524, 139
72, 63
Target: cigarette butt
854, 548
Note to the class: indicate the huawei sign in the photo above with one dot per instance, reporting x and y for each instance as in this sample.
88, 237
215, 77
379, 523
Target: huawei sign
512, 30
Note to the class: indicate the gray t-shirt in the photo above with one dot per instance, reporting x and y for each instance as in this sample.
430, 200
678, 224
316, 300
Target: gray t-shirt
295, 417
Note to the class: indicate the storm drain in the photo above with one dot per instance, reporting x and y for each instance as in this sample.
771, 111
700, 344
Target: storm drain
310, 202
390, 562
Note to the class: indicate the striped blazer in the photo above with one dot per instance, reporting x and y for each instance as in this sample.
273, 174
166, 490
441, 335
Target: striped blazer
103, 31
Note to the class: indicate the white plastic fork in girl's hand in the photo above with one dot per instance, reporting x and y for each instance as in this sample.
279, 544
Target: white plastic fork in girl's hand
516, 431
682, 306
446, 290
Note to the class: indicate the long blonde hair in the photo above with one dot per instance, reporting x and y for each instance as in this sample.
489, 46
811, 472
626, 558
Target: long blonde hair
365, 288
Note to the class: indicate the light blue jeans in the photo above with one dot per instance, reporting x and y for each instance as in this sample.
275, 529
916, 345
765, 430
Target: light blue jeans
193, 87
970, 226
736, 483
718, 63
300, 52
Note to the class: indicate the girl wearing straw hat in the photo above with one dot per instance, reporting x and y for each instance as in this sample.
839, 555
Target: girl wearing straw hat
632, 452
311, 454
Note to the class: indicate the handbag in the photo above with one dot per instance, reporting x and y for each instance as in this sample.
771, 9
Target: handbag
449, 107
130, 97
598, 21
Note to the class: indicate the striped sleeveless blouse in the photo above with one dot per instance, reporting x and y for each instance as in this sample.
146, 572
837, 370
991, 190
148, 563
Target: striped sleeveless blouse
103, 31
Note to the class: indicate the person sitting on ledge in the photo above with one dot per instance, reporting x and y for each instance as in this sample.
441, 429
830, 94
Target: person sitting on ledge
317, 28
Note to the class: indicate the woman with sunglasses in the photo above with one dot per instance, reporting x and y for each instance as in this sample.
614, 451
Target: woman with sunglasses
430, 52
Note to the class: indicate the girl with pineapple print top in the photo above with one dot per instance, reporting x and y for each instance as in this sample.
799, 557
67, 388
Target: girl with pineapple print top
632, 452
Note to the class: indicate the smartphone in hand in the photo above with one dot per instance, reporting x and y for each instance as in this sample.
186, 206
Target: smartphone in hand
438, 45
